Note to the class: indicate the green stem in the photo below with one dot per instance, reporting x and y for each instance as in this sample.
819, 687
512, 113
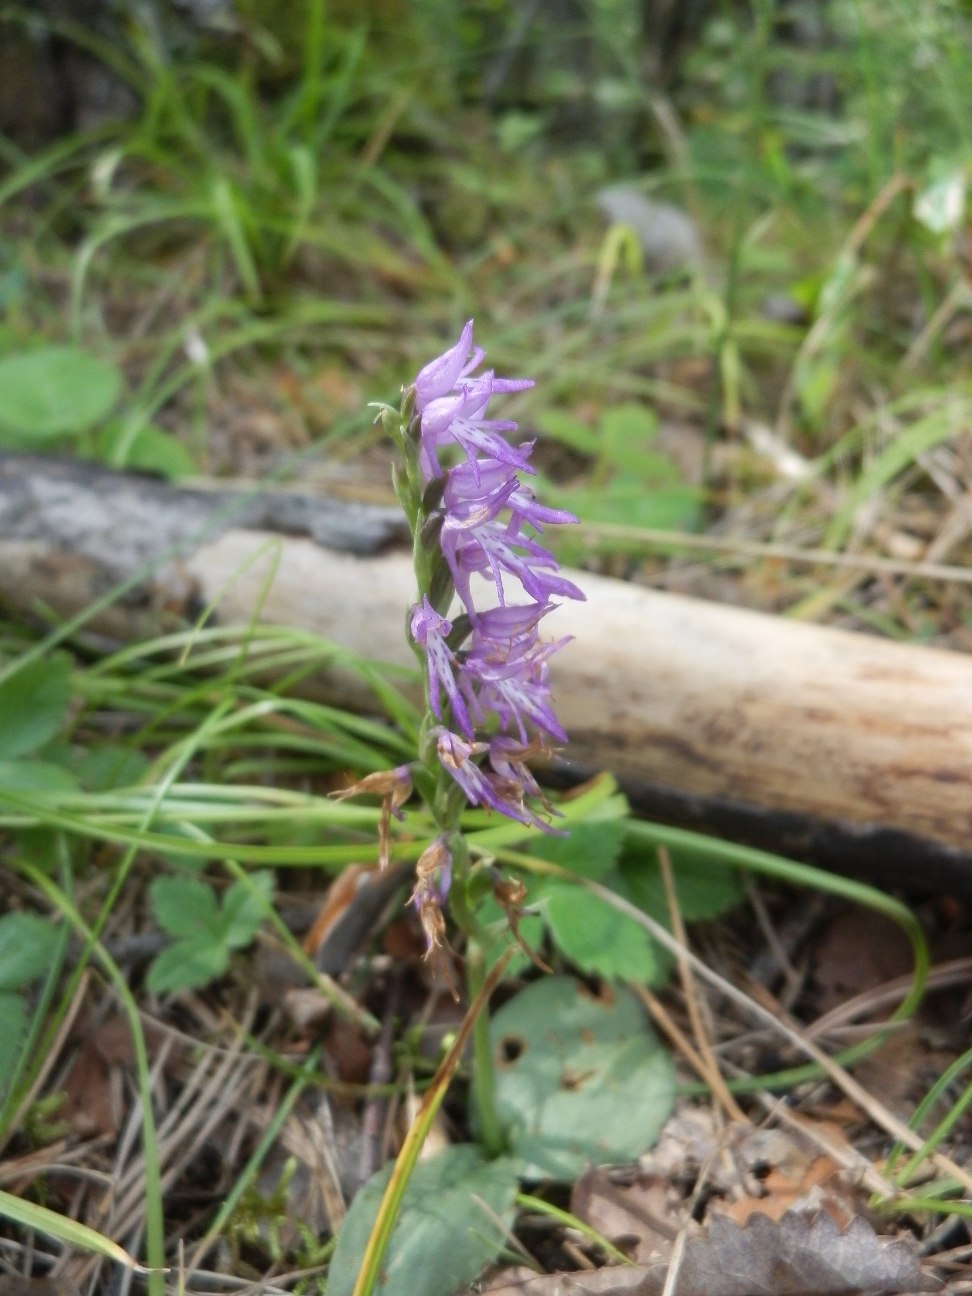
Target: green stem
483, 1093
370, 1271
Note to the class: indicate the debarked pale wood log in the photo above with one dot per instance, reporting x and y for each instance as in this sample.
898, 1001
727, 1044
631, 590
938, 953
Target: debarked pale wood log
698, 703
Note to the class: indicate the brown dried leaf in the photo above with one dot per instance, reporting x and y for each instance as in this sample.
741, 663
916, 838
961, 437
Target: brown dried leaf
616, 1280
795, 1256
859, 949
796, 1170
818, 1188
798, 1256
639, 1217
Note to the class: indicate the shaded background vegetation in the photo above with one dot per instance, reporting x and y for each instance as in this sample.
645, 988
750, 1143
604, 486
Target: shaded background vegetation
729, 239
262, 214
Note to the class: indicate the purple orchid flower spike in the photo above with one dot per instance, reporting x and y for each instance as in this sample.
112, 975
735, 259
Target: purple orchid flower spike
499, 699
489, 701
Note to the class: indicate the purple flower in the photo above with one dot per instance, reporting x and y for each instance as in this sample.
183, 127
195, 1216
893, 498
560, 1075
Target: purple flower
492, 550
508, 759
460, 420
440, 375
500, 704
503, 790
429, 630
512, 686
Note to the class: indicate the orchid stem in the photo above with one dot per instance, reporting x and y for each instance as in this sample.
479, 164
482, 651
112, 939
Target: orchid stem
492, 1138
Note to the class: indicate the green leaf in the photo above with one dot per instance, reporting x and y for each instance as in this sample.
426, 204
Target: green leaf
109, 766
27, 946
580, 1078
584, 928
815, 380
30, 775
43, 1220
598, 939
456, 1210
626, 432
497, 937
704, 889
13, 1030
570, 432
244, 908
153, 450
647, 502
186, 907
34, 701
185, 965
591, 849
55, 391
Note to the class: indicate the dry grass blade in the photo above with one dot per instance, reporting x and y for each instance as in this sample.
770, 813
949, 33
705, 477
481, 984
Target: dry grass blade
652, 538
713, 1075
879, 998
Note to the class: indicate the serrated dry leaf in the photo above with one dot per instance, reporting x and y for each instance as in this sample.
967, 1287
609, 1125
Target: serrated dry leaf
795, 1256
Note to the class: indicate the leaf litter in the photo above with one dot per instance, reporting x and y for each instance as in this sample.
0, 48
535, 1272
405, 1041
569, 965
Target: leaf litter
761, 1197
797, 1255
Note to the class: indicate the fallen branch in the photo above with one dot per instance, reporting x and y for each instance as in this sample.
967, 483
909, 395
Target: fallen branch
810, 739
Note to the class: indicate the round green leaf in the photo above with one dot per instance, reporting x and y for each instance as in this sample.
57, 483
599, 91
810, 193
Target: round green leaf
55, 391
452, 1224
580, 1078
33, 704
153, 450
27, 946
30, 775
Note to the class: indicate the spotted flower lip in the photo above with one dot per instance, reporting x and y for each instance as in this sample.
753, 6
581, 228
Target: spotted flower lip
460, 420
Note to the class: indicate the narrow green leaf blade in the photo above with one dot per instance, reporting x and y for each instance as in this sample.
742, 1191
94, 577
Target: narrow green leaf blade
13, 1030
30, 1215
